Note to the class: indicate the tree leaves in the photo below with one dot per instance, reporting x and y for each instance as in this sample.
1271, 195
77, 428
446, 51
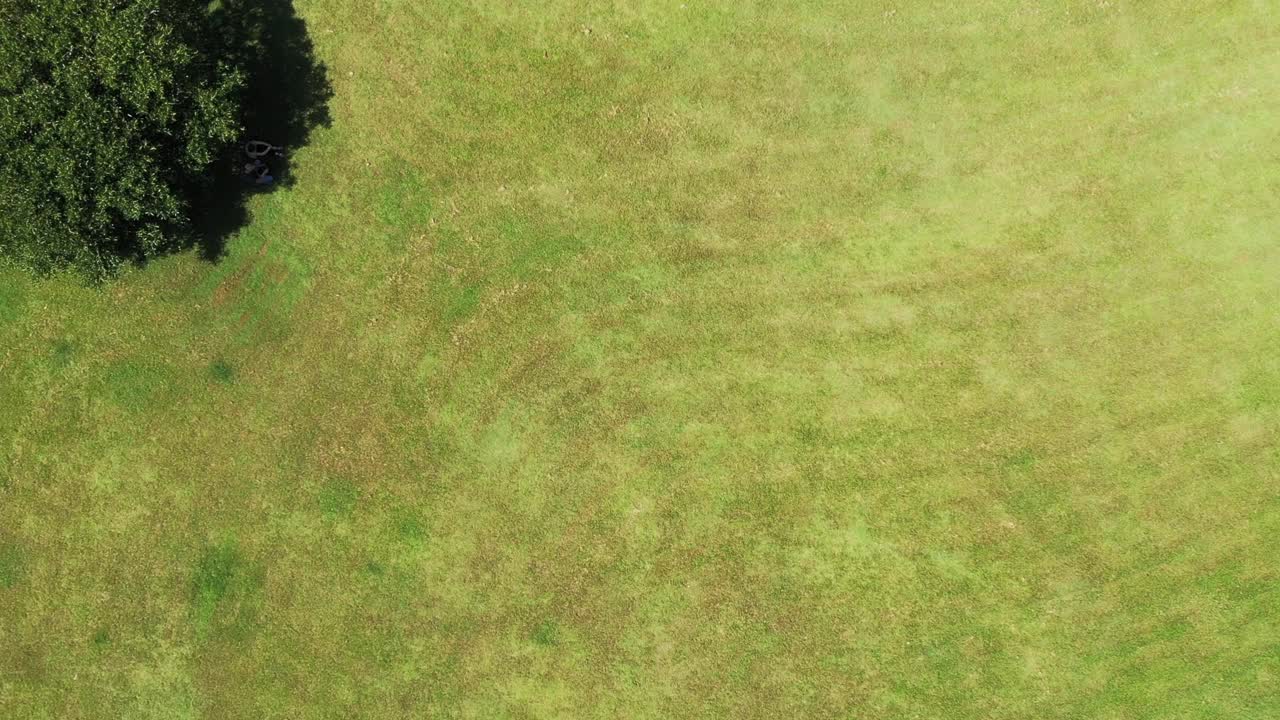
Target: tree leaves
110, 114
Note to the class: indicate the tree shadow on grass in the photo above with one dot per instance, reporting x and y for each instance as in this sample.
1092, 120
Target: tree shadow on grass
286, 96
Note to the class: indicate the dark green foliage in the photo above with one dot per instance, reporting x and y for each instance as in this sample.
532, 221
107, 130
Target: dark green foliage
213, 576
546, 634
222, 371
111, 112
63, 353
225, 591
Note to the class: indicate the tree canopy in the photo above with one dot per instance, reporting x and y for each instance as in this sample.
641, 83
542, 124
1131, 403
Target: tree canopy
111, 112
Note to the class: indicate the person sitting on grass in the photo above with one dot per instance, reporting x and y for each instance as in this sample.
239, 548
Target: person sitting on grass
259, 172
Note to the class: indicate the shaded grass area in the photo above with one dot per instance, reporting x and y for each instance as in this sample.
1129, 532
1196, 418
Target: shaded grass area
685, 360
286, 96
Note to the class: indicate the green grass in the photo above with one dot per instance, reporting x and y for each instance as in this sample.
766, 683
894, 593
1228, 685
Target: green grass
222, 371
671, 359
10, 565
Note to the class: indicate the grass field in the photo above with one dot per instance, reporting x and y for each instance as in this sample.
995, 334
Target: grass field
662, 359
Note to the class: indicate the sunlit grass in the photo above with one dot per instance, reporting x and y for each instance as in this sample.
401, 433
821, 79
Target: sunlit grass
685, 360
